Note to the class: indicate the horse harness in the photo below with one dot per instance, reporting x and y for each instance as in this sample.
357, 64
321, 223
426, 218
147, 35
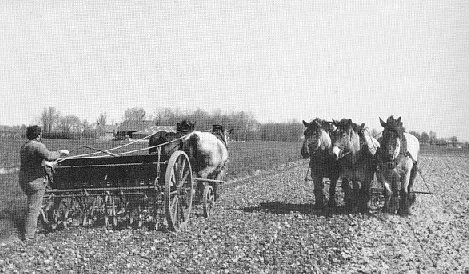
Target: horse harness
361, 157
389, 165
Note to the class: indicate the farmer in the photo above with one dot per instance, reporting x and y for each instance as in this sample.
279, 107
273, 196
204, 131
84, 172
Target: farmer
32, 176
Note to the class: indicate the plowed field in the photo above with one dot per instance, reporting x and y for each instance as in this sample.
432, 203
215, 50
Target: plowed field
266, 224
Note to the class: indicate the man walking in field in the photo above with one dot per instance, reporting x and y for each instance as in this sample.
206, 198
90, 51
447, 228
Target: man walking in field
32, 177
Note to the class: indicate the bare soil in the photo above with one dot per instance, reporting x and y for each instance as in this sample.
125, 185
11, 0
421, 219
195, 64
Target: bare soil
266, 224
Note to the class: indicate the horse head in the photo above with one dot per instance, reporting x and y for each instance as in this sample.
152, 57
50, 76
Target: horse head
346, 138
392, 137
168, 138
316, 137
221, 133
160, 138
185, 127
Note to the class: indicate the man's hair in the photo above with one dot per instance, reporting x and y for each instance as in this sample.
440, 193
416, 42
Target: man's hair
33, 132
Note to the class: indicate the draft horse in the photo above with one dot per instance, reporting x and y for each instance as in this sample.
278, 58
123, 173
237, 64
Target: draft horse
208, 153
355, 148
161, 137
397, 165
317, 147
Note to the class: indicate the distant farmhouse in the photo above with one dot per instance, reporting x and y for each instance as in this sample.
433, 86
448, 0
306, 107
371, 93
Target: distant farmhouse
139, 129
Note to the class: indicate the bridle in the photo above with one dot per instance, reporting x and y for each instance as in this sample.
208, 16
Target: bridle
342, 154
393, 161
316, 134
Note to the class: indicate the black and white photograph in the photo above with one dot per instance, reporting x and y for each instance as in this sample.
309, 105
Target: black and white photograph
208, 136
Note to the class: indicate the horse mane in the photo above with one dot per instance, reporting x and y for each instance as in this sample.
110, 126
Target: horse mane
367, 145
318, 124
345, 124
396, 126
185, 126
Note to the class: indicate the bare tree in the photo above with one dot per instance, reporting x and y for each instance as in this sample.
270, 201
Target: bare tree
49, 118
202, 119
432, 137
424, 138
88, 131
101, 124
164, 117
134, 114
69, 123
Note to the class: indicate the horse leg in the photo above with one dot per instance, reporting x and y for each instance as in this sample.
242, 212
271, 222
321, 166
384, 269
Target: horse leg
387, 191
356, 198
368, 172
364, 195
216, 186
387, 197
396, 198
404, 205
347, 189
332, 186
404, 209
318, 192
413, 175
206, 173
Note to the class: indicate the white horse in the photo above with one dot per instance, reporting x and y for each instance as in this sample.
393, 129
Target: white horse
208, 154
397, 165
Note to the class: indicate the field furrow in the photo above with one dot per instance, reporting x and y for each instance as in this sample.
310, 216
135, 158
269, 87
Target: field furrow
266, 224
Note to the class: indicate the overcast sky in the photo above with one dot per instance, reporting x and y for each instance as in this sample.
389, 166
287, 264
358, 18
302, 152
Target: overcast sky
280, 60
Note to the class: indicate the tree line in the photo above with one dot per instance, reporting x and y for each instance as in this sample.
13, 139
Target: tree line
245, 126
431, 138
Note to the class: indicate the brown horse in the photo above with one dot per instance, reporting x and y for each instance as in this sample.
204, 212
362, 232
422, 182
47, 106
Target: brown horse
317, 147
355, 149
162, 137
397, 165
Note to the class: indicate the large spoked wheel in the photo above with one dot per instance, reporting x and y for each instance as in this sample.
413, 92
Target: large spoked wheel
208, 200
179, 191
